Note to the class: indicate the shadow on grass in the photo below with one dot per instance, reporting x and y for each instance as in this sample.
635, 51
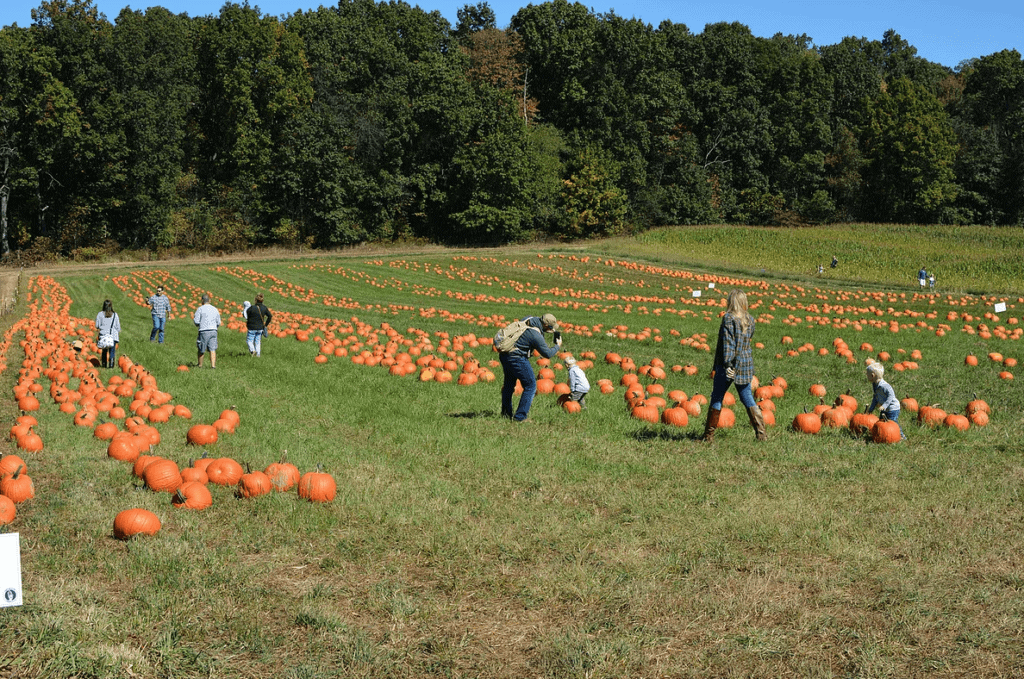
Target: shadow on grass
667, 435
474, 414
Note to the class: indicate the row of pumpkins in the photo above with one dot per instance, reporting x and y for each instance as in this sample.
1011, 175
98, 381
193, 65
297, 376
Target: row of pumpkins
45, 327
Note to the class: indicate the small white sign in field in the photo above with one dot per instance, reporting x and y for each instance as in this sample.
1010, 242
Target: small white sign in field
10, 570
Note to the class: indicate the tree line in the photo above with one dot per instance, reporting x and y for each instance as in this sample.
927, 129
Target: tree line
372, 121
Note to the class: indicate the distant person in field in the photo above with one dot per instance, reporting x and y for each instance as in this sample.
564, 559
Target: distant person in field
884, 396
257, 318
515, 364
931, 281
160, 306
579, 385
835, 261
922, 277
734, 364
821, 268
108, 325
207, 320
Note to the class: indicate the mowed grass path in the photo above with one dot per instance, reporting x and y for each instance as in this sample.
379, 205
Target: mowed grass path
572, 546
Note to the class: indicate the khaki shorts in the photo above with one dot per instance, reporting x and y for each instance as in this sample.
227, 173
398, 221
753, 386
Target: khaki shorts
207, 341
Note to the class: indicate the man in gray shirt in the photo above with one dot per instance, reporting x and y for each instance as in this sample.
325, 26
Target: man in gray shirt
207, 319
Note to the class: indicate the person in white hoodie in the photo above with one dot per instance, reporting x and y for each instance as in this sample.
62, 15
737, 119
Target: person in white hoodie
579, 387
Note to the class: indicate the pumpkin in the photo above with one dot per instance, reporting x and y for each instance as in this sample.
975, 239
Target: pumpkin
123, 449
727, 419
692, 408
642, 411
978, 405
201, 435
141, 462
224, 471
676, 417
105, 431
807, 423
862, 423
836, 417
192, 495
253, 483
182, 412
30, 442
131, 522
231, 415
571, 406
978, 418
957, 421
930, 416
908, 404
193, 474
162, 475
886, 431
8, 510
224, 426
18, 486
10, 464
818, 390
317, 486
282, 474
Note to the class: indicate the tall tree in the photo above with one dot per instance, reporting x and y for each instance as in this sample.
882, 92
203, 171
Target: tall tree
37, 115
910, 148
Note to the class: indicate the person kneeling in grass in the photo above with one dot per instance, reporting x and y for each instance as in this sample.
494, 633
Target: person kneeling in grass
884, 396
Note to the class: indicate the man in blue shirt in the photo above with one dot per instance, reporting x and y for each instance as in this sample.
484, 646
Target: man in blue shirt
160, 307
207, 319
516, 364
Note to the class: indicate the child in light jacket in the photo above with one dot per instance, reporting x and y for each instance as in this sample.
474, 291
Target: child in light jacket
579, 387
884, 397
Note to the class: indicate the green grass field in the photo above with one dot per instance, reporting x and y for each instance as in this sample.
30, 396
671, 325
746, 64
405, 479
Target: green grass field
589, 545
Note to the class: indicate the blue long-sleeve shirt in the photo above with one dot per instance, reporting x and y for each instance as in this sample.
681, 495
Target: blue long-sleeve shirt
884, 397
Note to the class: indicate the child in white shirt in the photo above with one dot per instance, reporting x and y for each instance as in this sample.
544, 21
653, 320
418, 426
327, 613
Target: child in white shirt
579, 387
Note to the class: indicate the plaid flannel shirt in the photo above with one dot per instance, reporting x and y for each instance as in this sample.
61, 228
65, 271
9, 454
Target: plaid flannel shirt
734, 349
161, 305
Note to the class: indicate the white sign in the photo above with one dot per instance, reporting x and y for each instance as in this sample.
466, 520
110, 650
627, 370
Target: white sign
1001, 307
711, 285
696, 293
10, 570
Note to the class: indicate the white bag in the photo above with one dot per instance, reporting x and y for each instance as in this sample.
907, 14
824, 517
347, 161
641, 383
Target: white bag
105, 341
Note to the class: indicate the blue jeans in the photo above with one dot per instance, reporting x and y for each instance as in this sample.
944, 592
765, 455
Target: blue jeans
517, 368
254, 338
108, 357
893, 415
158, 328
721, 386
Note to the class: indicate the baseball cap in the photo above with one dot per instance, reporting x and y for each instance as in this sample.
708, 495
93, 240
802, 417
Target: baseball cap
549, 321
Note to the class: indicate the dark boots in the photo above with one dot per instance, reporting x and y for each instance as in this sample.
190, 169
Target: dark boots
710, 425
757, 422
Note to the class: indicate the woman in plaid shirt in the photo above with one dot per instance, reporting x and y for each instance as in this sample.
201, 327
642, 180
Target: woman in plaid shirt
734, 363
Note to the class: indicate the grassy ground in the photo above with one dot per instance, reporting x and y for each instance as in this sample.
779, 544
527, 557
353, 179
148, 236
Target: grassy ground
572, 546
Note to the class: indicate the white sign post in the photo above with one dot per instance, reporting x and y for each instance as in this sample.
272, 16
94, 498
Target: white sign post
1000, 308
10, 570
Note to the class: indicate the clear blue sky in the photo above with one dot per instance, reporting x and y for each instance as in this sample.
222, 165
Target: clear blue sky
943, 31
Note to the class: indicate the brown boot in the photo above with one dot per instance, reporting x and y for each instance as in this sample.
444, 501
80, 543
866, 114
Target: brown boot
710, 425
757, 422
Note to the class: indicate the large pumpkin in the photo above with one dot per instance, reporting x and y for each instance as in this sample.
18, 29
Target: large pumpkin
136, 521
201, 435
192, 495
162, 476
18, 486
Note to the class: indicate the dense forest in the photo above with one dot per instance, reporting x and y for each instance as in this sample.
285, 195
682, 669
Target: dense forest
373, 121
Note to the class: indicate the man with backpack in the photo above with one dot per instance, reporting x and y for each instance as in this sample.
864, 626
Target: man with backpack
515, 344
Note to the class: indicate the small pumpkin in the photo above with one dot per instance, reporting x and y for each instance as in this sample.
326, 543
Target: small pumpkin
192, 495
201, 435
807, 423
18, 486
8, 510
317, 486
10, 464
675, 417
282, 474
253, 483
886, 431
137, 521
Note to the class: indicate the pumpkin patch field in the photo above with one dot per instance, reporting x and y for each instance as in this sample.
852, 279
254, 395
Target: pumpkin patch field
350, 503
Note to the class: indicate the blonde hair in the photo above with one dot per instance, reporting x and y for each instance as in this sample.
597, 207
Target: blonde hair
876, 369
737, 307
